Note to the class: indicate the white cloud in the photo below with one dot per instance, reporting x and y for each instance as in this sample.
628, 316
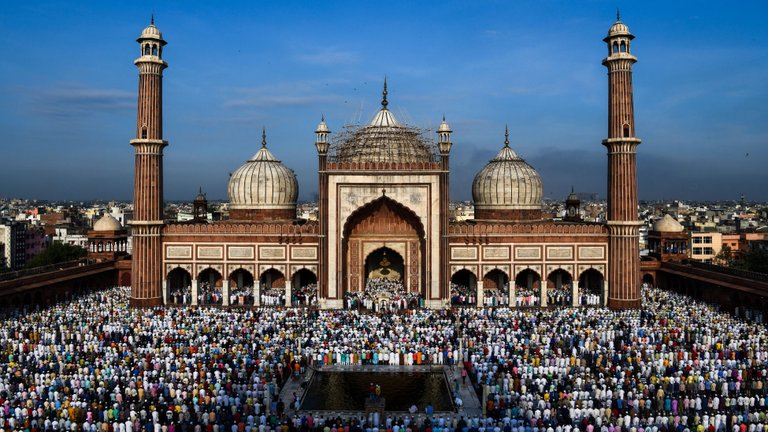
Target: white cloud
267, 100
71, 100
286, 94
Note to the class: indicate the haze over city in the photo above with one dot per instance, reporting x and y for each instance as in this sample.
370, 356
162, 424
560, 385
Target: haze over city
69, 85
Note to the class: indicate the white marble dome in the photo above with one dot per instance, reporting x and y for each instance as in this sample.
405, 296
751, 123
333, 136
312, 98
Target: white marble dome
151, 32
667, 224
444, 127
618, 29
107, 223
263, 182
322, 126
507, 182
384, 139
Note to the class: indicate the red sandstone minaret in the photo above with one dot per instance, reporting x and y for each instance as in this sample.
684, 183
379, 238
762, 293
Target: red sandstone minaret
322, 145
444, 145
623, 228
147, 221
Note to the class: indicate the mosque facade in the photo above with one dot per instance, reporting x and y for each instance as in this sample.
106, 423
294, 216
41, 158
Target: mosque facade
383, 215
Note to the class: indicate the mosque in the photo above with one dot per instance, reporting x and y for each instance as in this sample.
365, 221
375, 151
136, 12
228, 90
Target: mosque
383, 214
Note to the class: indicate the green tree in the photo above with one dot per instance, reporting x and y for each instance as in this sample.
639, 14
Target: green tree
57, 253
725, 256
756, 260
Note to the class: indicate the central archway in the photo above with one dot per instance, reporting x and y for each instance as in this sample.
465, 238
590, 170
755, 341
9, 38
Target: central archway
383, 225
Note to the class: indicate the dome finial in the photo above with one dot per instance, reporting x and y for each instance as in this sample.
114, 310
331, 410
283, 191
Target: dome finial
322, 117
506, 136
152, 19
263, 136
384, 102
618, 15
571, 188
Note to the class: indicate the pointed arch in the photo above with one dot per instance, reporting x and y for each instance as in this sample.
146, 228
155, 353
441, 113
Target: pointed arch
208, 270
591, 287
179, 286
495, 279
304, 285
209, 286
272, 290
125, 279
306, 276
272, 277
496, 288
649, 279
559, 288
383, 222
366, 210
241, 287
528, 287
463, 286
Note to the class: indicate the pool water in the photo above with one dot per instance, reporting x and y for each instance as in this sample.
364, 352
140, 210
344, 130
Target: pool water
347, 391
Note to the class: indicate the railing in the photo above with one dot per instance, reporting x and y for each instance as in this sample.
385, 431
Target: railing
378, 166
43, 269
731, 271
248, 228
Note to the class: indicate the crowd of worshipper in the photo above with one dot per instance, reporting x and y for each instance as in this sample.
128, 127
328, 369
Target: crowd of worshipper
383, 295
754, 315
305, 295
589, 297
462, 295
562, 296
496, 297
181, 295
661, 368
208, 294
273, 297
94, 364
242, 296
527, 297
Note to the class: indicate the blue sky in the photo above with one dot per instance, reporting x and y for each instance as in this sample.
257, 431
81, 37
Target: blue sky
69, 90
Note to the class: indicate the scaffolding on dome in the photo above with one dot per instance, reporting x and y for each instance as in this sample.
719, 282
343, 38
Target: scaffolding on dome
382, 143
